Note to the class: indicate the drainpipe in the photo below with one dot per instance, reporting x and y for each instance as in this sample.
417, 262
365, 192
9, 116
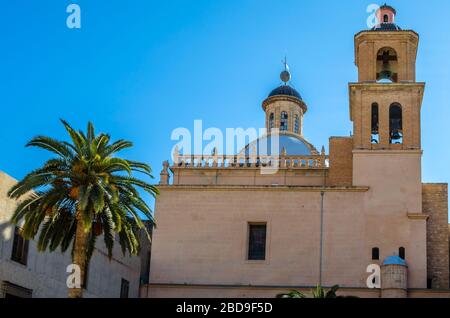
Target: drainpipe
322, 194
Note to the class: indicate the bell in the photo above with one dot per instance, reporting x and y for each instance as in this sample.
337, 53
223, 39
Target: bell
395, 135
386, 73
396, 129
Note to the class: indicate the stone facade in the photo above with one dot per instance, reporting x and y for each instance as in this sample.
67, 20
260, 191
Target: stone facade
327, 217
435, 205
364, 95
340, 172
368, 44
44, 275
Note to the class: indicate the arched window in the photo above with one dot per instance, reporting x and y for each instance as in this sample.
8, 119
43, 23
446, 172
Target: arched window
387, 65
375, 253
284, 121
271, 121
395, 124
375, 124
296, 124
386, 18
402, 253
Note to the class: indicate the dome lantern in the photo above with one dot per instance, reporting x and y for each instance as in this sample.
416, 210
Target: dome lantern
386, 19
284, 106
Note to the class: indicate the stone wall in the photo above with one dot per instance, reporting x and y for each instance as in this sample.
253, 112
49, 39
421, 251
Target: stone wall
201, 238
340, 172
163, 291
236, 291
435, 204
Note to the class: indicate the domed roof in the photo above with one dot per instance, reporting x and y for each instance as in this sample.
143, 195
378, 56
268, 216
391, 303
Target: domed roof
394, 260
293, 144
388, 7
285, 90
386, 27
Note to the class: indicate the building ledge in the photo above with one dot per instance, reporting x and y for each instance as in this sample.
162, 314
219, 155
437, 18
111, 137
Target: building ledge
199, 285
389, 151
208, 187
418, 216
371, 293
382, 86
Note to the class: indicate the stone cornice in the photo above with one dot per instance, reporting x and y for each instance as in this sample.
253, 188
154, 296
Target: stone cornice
262, 188
374, 86
388, 151
418, 216
276, 98
411, 34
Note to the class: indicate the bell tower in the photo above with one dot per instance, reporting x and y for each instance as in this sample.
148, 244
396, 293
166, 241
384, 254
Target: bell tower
385, 108
385, 103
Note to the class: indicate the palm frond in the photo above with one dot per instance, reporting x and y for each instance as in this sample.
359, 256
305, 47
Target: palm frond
52, 145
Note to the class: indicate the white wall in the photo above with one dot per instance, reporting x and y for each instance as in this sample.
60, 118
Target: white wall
45, 273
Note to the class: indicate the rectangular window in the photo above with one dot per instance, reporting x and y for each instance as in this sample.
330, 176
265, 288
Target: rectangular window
402, 253
20, 248
257, 242
12, 291
375, 253
124, 287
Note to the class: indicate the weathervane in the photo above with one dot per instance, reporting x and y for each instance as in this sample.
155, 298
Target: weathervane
285, 76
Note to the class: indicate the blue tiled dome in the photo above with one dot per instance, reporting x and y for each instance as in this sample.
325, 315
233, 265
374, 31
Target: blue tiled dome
394, 260
294, 146
285, 90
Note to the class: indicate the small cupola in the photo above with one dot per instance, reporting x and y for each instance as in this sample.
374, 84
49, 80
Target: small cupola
386, 19
284, 107
386, 14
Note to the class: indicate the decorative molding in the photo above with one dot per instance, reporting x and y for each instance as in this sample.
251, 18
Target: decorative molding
375, 86
213, 187
418, 216
388, 151
286, 98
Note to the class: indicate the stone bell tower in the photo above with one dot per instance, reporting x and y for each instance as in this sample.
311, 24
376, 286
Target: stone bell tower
385, 108
385, 103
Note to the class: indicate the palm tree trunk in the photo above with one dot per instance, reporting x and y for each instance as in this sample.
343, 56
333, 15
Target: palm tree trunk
79, 256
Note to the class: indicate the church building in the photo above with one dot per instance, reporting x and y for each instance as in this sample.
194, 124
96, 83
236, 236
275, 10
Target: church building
226, 229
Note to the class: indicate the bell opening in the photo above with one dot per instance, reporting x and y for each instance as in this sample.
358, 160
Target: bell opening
395, 124
375, 139
387, 65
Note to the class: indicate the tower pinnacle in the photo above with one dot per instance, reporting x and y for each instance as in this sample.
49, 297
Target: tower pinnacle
285, 75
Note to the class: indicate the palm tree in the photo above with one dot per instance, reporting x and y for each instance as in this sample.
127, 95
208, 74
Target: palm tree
318, 292
83, 192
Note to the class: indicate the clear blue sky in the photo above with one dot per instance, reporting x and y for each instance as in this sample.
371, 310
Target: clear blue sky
138, 69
